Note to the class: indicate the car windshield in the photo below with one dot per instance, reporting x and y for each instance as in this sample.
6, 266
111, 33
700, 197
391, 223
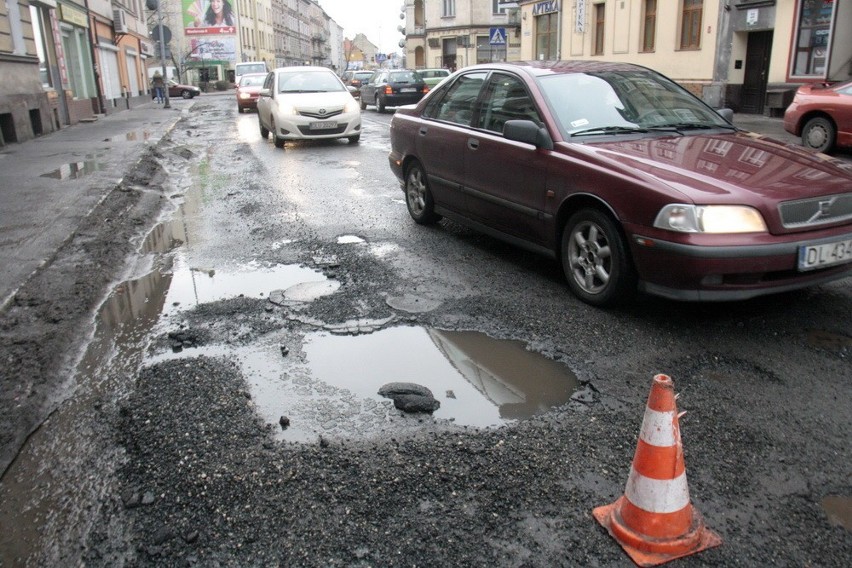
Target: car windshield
252, 81
404, 77
309, 82
251, 68
615, 102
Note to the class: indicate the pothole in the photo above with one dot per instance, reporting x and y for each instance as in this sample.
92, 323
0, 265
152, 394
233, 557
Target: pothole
839, 510
74, 170
332, 389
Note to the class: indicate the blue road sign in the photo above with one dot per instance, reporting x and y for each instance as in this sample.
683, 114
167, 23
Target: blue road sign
497, 36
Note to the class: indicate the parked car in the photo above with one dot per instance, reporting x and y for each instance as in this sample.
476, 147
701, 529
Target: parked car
822, 115
298, 103
433, 76
186, 91
248, 90
627, 179
356, 79
393, 87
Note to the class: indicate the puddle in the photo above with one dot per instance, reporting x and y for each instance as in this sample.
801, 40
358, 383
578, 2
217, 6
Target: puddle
479, 381
839, 510
191, 286
349, 240
827, 340
132, 136
74, 170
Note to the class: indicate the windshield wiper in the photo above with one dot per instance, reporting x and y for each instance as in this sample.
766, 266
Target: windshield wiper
608, 130
689, 126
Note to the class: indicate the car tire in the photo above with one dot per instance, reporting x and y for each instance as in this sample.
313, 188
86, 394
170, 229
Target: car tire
418, 196
355, 139
819, 134
363, 104
264, 132
240, 109
380, 104
186, 94
279, 142
596, 260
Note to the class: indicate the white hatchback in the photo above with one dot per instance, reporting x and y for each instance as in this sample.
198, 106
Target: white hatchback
302, 103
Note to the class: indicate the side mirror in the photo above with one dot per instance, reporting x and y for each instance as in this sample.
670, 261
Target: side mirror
727, 114
265, 93
351, 89
528, 132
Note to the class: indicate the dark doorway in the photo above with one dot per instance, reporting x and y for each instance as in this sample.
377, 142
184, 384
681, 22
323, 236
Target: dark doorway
756, 71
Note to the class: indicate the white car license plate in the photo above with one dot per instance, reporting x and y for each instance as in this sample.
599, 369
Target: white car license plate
812, 257
322, 125
408, 90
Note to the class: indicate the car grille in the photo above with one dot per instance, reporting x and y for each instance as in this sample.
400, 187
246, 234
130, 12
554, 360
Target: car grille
327, 114
816, 211
307, 130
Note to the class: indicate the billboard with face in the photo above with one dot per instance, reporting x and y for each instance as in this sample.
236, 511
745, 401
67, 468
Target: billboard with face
209, 17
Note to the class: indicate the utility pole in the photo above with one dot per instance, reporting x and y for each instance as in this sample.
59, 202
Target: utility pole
163, 53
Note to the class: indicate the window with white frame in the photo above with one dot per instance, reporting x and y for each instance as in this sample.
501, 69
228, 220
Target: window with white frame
496, 7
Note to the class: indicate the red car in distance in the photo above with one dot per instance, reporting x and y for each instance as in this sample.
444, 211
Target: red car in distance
248, 90
822, 115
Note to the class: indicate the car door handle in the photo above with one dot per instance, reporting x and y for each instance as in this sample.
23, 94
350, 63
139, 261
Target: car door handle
473, 143
423, 131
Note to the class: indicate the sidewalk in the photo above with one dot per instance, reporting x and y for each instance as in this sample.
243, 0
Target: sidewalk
49, 184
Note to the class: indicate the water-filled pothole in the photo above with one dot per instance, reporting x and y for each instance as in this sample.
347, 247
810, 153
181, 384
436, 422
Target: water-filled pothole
333, 389
74, 170
839, 510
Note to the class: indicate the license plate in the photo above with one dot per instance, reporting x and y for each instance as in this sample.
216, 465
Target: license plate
812, 257
322, 125
408, 90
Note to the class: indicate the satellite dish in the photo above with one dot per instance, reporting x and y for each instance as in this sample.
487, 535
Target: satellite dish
401, 43
400, 29
152, 4
402, 16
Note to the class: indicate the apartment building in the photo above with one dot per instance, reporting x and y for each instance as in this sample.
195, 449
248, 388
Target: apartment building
749, 55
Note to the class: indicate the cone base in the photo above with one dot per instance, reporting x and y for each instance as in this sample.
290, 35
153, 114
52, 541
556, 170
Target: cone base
648, 551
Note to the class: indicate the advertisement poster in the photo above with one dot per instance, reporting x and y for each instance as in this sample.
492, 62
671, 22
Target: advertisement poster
217, 49
209, 17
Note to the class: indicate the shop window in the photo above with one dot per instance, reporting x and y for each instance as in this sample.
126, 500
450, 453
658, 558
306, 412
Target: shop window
546, 27
812, 38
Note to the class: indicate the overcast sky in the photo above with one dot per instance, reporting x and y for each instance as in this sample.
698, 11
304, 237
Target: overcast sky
377, 19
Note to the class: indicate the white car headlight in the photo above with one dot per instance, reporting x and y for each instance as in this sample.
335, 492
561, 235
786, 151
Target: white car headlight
286, 110
716, 219
351, 106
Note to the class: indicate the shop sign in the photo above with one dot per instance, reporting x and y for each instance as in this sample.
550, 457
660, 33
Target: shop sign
73, 16
548, 7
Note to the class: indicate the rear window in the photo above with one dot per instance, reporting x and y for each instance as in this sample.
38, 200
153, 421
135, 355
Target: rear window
243, 68
404, 77
252, 80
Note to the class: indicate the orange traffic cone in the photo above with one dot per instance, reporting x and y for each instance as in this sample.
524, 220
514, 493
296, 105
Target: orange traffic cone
654, 521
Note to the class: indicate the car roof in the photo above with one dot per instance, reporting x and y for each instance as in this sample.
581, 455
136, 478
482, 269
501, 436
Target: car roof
543, 68
303, 68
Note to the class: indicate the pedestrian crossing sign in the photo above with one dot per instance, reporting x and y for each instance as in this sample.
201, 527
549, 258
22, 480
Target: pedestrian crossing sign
497, 36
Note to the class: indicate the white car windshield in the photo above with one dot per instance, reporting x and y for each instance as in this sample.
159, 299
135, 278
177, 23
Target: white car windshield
616, 102
309, 82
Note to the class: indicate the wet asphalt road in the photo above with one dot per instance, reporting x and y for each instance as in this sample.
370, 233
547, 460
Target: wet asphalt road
183, 462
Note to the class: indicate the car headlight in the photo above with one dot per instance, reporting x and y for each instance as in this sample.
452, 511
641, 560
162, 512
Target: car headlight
287, 110
710, 219
351, 106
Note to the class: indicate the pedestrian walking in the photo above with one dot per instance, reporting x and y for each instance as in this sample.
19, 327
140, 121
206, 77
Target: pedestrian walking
159, 85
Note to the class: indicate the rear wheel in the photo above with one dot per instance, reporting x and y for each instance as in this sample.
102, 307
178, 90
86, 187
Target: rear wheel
819, 134
596, 260
418, 197
380, 104
264, 132
363, 103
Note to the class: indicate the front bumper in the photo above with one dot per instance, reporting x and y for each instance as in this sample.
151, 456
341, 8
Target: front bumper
694, 272
299, 127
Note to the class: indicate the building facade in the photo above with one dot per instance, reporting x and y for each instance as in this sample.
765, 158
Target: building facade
455, 33
749, 55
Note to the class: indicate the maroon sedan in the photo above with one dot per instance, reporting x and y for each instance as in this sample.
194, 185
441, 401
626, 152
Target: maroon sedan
822, 115
248, 90
627, 179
